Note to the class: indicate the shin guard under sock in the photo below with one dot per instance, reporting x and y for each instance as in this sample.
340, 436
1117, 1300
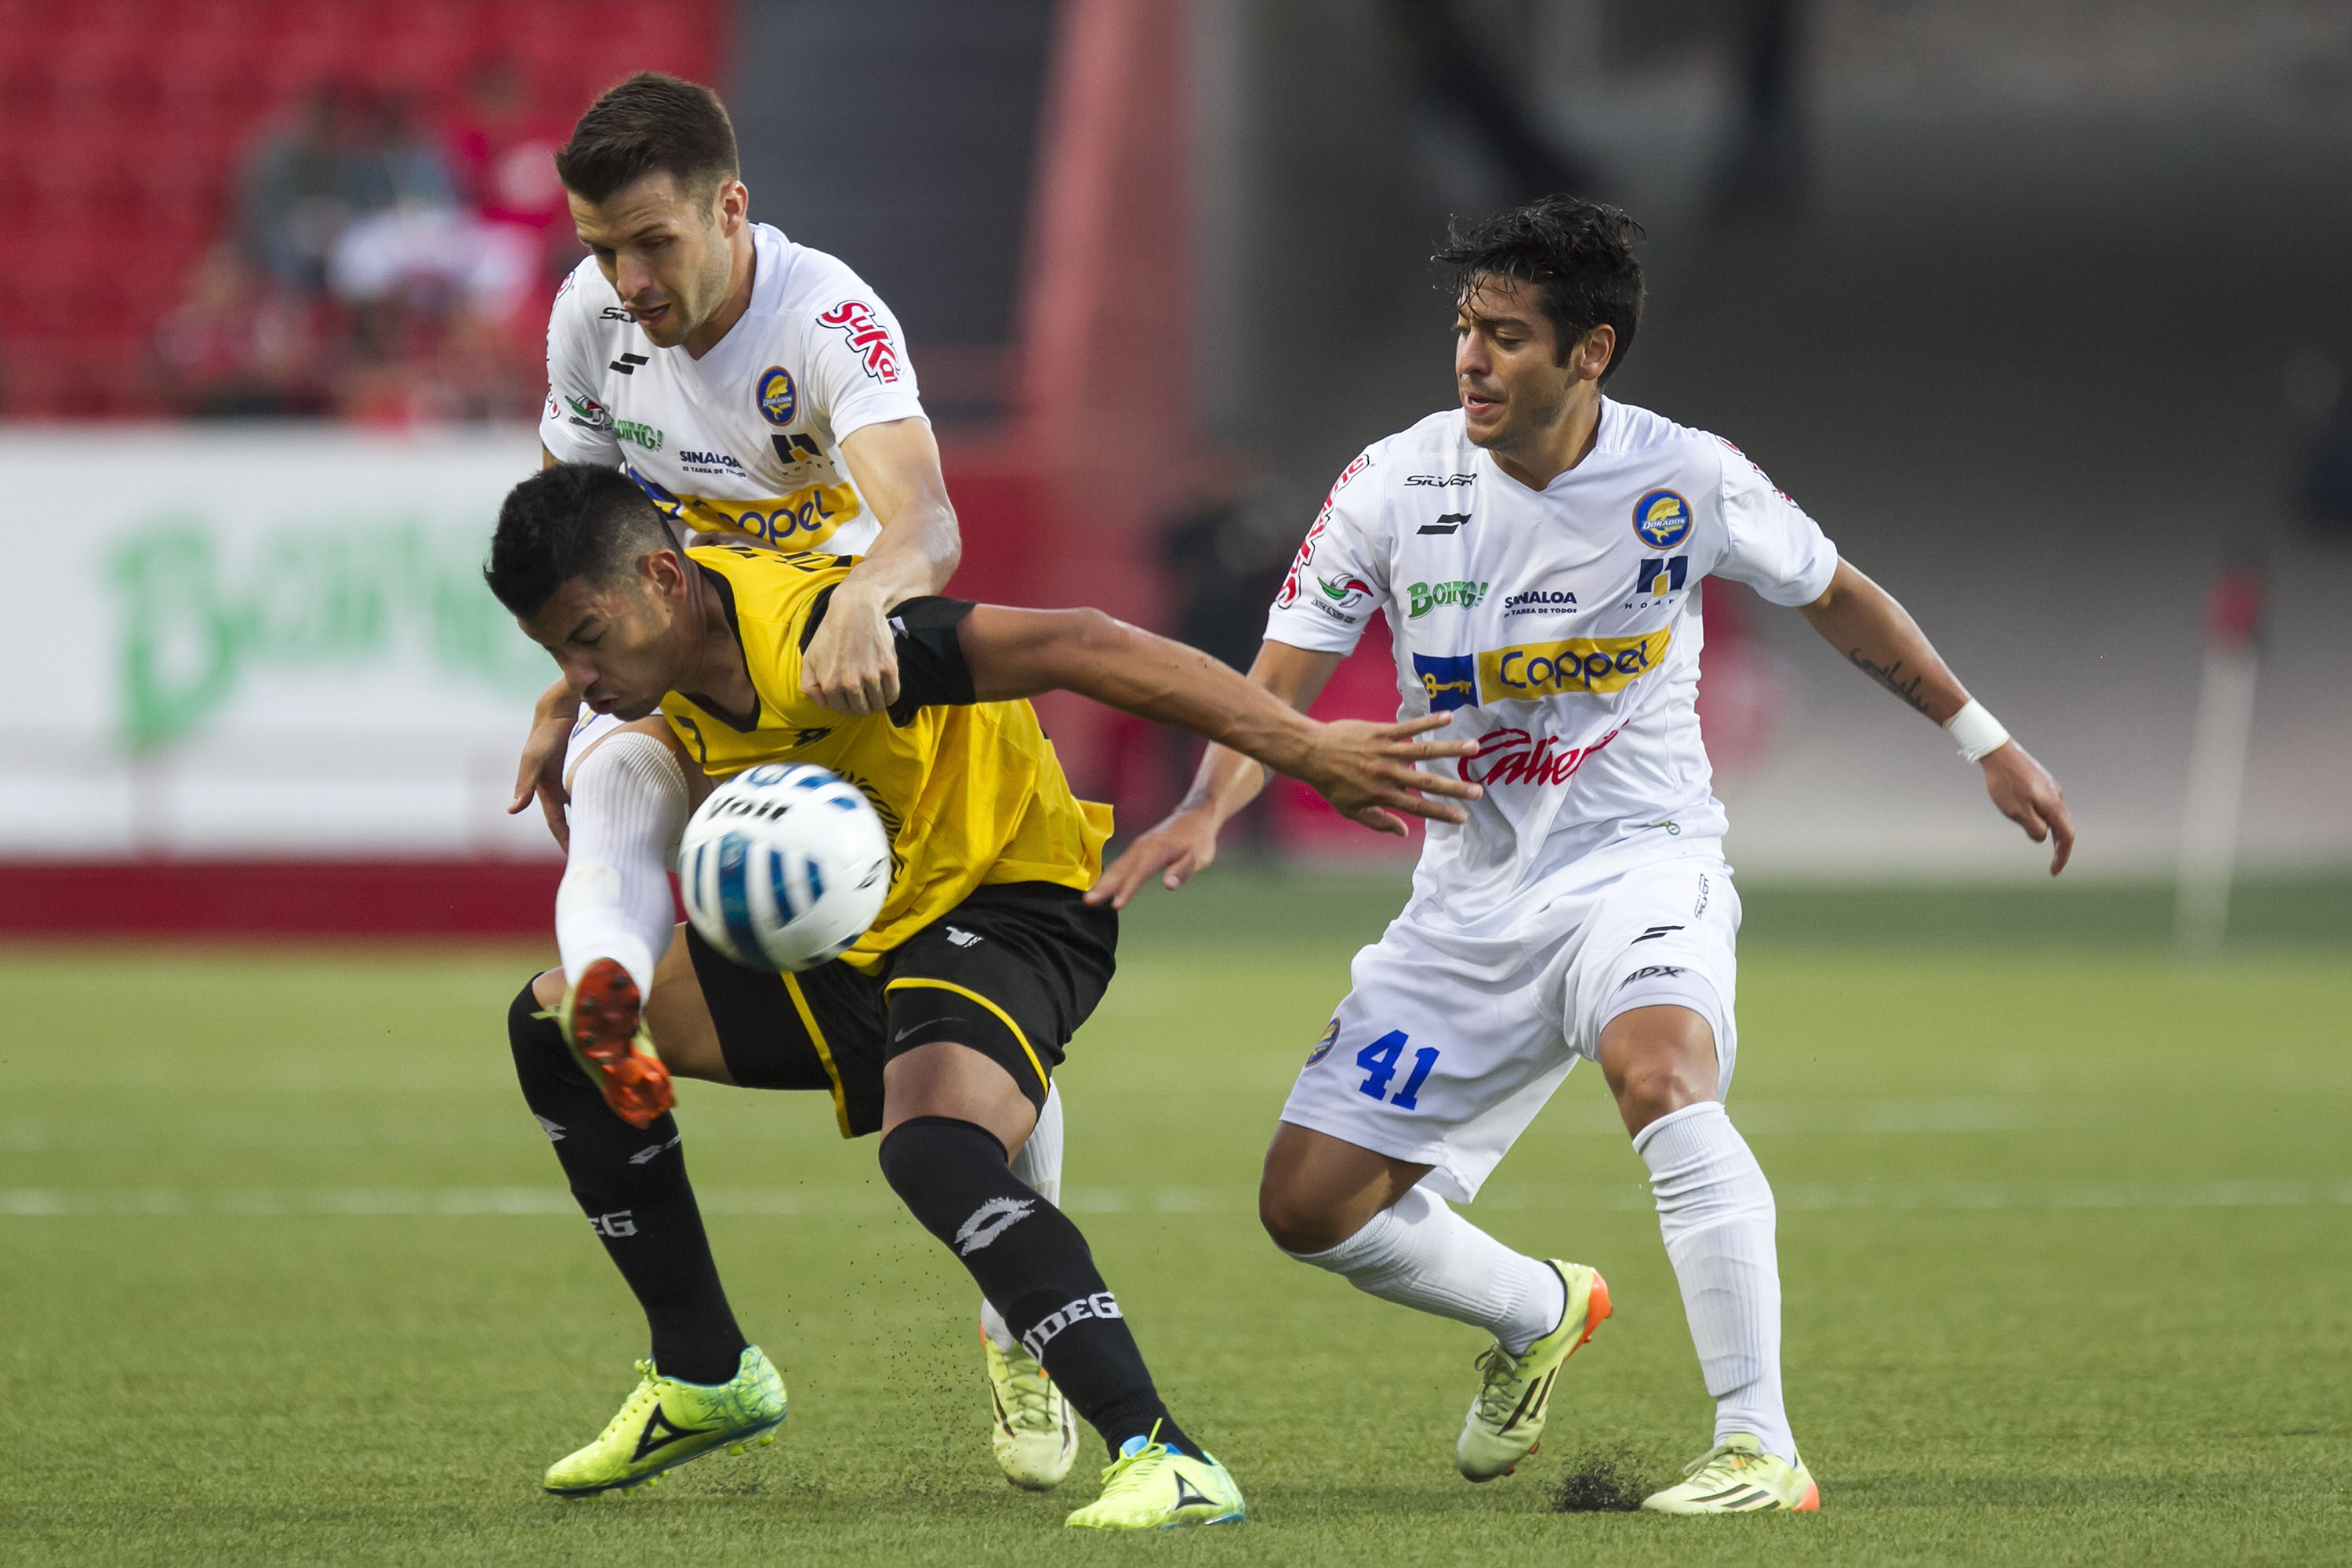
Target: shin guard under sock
1029, 1259
631, 1185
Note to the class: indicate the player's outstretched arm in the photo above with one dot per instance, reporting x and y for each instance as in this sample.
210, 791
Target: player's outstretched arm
852, 665
1877, 636
541, 772
1365, 770
1185, 844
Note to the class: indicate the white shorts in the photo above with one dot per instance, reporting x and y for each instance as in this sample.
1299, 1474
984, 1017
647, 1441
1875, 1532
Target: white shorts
1449, 1045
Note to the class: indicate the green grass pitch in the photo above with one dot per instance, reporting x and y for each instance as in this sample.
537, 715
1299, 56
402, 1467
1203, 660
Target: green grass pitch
2066, 1231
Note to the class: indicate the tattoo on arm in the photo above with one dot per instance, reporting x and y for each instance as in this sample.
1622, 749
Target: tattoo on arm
1890, 676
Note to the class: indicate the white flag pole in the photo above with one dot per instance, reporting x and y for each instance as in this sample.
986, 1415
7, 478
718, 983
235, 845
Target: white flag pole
2217, 759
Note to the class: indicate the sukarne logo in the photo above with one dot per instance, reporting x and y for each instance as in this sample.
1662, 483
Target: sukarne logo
1290, 586
868, 338
1510, 756
1305, 556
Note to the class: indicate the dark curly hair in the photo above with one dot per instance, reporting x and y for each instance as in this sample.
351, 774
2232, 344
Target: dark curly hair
574, 520
1578, 253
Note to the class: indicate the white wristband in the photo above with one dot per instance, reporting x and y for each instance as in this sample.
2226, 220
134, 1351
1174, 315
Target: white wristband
1978, 733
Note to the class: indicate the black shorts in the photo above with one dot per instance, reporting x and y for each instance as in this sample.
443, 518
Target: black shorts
1011, 972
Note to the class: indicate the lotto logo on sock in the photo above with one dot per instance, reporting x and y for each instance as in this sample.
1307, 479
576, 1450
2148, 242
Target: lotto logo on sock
989, 1221
1098, 1305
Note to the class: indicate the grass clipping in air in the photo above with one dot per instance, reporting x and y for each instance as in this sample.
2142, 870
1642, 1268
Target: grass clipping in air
1600, 1481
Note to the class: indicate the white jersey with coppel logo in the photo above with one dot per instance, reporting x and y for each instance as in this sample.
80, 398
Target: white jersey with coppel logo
747, 438
1561, 628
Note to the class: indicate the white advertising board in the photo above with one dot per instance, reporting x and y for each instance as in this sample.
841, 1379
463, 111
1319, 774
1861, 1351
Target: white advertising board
237, 641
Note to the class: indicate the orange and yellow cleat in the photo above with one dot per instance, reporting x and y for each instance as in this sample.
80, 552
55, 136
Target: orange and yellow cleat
603, 1020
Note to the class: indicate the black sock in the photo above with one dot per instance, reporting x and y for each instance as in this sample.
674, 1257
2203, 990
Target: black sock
1031, 1261
631, 1185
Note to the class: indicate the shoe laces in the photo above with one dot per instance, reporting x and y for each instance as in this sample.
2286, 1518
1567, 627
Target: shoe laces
1126, 1471
632, 1414
1497, 1396
1723, 1457
1029, 1397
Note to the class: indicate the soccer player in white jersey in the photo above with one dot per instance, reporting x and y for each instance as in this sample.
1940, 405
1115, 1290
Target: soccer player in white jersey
758, 390
1537, 553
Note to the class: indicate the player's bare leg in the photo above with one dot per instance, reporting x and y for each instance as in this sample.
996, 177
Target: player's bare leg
1364, 1216
1716, 1214
951, 1118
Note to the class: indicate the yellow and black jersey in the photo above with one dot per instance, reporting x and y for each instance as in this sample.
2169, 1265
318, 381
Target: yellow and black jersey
970, 793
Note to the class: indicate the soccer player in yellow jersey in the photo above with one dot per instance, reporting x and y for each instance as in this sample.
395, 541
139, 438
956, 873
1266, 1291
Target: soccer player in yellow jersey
942, 1029
759, 391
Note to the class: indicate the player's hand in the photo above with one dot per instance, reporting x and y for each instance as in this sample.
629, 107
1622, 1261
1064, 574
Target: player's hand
1366, 771
1175, 851
852, 663
541, 772
2027, 795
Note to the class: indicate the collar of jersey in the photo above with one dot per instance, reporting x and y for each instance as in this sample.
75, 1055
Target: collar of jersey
771, 260
1602, 429
718, 584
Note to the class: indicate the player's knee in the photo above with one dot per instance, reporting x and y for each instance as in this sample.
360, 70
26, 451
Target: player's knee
1659, 1059
1659, 1079
930, 1161
1296, 1221
534, 1037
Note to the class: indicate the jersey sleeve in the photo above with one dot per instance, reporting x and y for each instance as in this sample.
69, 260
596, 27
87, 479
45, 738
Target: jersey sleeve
858, 370
1768, 541
932, 669
573, 426
1341, 573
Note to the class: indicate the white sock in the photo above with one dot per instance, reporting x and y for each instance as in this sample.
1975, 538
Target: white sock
628, 808
1716, 1211
1418, 1253
1039, 1164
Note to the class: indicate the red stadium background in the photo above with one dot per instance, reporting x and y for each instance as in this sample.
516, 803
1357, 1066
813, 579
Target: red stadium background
135, 124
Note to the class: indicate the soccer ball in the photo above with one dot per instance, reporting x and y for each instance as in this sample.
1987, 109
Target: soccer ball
784, 866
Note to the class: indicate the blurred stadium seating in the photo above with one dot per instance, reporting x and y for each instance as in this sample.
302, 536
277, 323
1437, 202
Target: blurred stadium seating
130, 120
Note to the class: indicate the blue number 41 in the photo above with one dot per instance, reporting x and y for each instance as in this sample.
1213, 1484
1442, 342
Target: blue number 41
1380, 1060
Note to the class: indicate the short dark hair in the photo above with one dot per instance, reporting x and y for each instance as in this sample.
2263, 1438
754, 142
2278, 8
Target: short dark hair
651, 123
1578, 253
575, 520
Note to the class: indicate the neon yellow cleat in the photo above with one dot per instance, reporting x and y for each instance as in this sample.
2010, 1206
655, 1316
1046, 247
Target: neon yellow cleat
666, 1423
1507, 1419
1737, 1476
1035, 1436
1153, 1487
